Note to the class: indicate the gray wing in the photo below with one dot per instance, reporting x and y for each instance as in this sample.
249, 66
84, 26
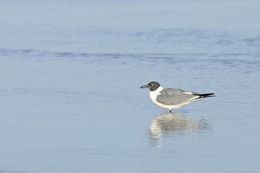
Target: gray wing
174, 96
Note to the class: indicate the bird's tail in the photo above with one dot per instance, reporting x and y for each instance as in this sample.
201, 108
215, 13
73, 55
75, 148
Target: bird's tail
206, 95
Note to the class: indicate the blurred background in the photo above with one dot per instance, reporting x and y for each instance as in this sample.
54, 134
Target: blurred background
71, 71
131, 26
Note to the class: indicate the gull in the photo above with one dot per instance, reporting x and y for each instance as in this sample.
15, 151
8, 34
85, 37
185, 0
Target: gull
172, 98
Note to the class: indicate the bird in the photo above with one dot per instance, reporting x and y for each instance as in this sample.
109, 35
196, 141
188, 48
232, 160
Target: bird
172, 98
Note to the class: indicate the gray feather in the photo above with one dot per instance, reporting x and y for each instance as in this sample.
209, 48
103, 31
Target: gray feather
174, 96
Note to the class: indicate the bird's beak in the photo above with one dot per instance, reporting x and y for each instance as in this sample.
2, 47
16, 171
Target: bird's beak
144, 86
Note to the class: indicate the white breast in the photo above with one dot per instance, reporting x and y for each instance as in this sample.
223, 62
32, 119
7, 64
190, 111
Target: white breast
153, 96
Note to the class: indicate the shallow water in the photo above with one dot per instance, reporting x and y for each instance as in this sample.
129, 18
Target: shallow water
70, 99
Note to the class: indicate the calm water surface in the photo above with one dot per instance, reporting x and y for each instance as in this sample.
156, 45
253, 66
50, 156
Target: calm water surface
70, 97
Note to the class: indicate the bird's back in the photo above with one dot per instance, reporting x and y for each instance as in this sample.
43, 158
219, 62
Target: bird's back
174, 96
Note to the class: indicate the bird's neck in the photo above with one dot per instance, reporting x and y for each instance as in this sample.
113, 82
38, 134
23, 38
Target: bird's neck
157, 90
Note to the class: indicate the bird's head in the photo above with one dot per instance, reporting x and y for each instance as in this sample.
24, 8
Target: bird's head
152, 85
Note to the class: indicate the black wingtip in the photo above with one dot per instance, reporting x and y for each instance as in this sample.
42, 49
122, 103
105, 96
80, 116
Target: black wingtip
207, 95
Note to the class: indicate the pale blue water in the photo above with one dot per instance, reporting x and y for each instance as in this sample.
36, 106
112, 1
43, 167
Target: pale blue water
70, 74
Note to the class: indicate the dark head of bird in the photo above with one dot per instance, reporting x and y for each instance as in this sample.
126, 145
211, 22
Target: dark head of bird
152, 85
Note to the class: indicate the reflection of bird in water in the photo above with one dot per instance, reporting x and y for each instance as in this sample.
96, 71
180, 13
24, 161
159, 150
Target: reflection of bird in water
172, 98
171, 122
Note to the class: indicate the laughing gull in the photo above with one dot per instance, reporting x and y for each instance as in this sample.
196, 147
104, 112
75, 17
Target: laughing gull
172, 98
